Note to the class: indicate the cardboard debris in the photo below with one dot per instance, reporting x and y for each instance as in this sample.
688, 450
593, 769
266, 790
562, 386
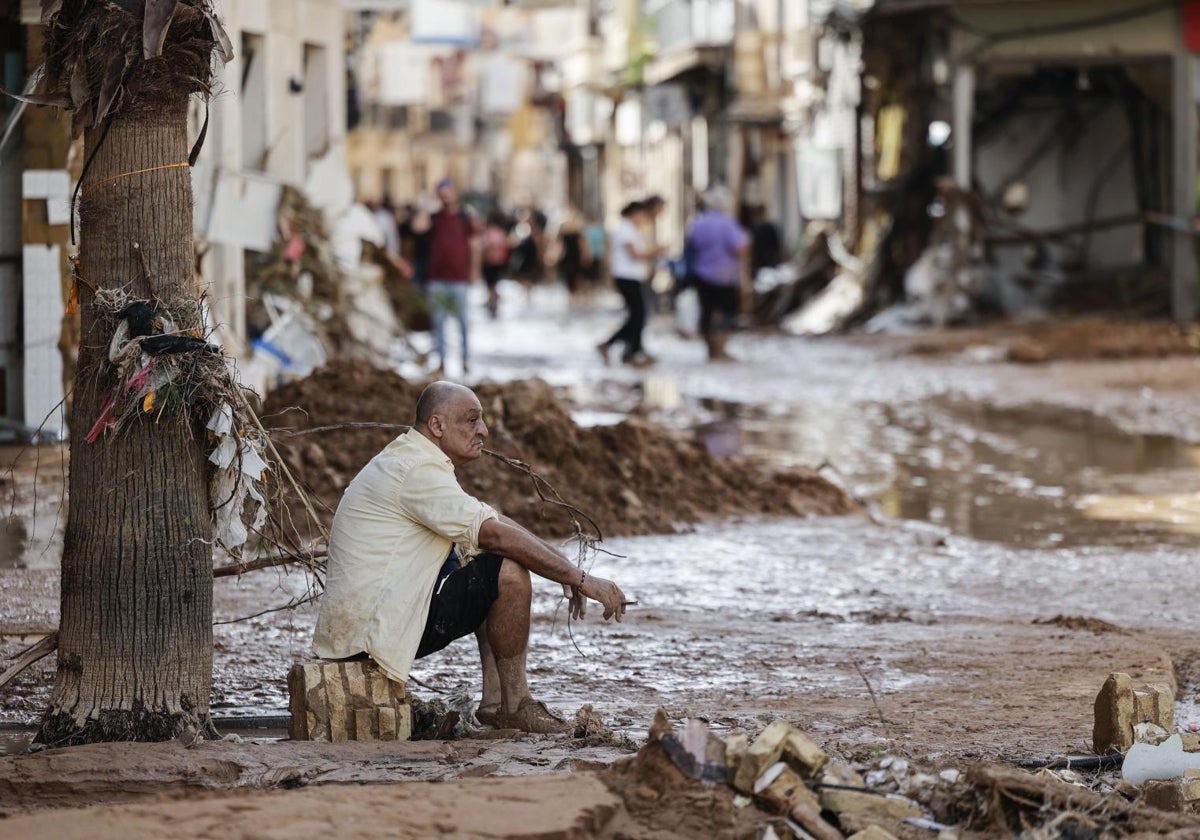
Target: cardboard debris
347, 701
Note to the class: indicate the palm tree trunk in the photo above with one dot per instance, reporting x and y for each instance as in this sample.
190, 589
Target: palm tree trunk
135, 644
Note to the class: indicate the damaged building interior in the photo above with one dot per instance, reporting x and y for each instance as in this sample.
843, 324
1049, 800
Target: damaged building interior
1012, 158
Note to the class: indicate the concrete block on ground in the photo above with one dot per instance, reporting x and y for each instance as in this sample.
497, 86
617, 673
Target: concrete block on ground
780, 741
783, 789
347, 701
1163, 795
1115, 707
1154, 704
805, 757
761, 754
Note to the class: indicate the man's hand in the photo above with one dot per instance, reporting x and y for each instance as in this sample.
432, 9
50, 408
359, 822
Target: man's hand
607, 593
577, 603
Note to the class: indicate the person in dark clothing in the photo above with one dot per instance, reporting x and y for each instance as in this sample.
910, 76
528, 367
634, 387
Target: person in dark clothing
573, 256
766, 247
496, 254
414, 242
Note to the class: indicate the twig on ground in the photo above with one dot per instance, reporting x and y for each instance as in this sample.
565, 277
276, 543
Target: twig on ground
871, 691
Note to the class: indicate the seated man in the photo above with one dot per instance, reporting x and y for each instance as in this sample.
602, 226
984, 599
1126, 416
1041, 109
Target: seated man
415, 563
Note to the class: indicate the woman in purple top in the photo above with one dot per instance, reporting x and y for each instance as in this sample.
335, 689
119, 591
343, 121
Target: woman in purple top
717, 245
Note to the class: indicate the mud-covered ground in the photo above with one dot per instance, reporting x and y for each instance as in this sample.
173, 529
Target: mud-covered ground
1026, 531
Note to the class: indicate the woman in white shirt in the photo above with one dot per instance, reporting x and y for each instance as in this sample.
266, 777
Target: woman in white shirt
629, 263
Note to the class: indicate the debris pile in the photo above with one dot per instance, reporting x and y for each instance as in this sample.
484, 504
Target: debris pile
304, 306
782, 785
631, 478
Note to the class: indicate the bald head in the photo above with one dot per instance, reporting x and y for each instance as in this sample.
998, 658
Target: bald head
451, 417
439, 398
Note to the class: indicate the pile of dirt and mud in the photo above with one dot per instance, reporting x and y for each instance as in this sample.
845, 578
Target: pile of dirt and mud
630, 478
1081, 339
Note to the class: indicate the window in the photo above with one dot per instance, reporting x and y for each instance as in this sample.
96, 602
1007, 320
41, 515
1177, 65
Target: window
254, 103
316, 101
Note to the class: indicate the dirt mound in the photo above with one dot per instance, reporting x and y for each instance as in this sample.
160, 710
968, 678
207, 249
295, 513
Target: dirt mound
631, 478
662, 802
1081, 622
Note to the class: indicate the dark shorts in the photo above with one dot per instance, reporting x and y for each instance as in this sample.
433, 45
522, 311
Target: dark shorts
462, 598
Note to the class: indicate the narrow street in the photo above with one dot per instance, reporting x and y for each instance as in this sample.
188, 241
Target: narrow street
972, 612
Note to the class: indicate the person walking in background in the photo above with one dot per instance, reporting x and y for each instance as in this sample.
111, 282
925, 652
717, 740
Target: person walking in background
717, 246
452, 237
529, 257
572, 253
415, 235
631, 261
497, 251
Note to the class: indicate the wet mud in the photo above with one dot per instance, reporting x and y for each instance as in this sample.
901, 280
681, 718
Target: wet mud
969, 612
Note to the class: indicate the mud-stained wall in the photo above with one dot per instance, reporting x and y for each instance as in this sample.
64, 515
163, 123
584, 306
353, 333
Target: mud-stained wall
1062, 181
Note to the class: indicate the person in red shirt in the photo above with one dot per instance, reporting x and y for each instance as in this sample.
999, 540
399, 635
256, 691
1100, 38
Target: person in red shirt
453, 235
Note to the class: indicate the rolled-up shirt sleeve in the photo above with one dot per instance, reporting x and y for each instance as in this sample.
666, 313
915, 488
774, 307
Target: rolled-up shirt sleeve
433, 497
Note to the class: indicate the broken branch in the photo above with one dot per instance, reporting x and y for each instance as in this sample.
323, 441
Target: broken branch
39, 650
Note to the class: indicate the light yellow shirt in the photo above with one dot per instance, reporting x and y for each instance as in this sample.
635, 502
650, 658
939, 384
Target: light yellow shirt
392, 532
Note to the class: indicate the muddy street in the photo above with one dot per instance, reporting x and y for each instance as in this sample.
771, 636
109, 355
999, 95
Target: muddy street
1025, 531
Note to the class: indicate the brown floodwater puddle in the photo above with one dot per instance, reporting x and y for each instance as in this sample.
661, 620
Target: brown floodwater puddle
1036, 476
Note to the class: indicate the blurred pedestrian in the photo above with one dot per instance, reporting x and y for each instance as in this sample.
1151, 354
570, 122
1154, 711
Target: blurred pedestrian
717, 246
572, 253
452, 238
631, 260
415, 235
529, 258
497, 251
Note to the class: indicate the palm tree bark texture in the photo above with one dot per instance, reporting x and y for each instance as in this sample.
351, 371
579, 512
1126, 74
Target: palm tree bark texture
135, 641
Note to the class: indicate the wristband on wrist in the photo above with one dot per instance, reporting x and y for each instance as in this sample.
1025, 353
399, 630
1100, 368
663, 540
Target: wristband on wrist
582, 579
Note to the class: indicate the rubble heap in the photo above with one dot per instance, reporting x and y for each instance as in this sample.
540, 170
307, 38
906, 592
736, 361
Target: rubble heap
690, 783
631, 478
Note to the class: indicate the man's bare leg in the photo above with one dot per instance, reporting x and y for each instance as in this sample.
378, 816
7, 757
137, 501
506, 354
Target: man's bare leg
506, 636
490, 704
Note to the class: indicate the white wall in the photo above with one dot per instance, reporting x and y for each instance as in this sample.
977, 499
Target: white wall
286, 120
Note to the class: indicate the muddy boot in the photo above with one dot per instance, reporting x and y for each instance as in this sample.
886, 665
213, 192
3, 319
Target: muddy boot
532, 716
